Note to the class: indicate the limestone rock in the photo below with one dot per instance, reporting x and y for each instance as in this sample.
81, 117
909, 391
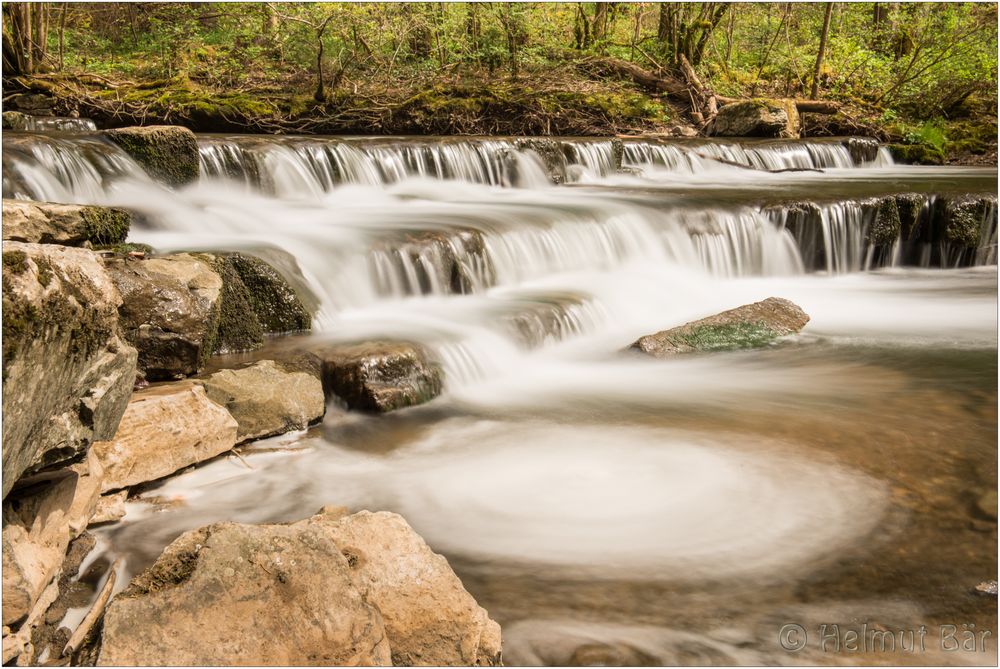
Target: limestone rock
266, 399
862, 149
966, 216
749, 326
254, 595
110, 508
67, 372
170, 312
168, 153
361, 589
380, 375
758, 118
40, 519
429, 617
165, 428
69, 224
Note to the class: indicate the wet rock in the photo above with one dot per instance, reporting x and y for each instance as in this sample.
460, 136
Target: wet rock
885, 226
168, 153
329, 590
67, 371
862, 149
40, 520
165, 428
749, 326
431, 262
986, 589
917, 154
15, 120
966, 216
110, 508
757, 118
68, 224
256, 300
170, 312
986, 504
379, 376
267, 399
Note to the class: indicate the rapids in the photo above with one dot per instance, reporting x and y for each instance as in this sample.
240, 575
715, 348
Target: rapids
673, 508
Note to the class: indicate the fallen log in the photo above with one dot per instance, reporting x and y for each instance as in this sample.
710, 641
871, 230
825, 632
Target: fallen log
803, 106
646, 80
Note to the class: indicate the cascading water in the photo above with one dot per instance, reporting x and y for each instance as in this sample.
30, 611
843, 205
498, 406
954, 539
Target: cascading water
561, 477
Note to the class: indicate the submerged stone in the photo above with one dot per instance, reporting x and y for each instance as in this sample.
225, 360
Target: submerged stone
750, 326
379, 376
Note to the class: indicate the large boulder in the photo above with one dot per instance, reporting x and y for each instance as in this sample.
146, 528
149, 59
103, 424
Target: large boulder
168, 153
266, 398
967, 217
69, 224
749, 326
170, 312
758, 118
67, 371
379, 376
40, 519
165, 428
327, 590
430, 619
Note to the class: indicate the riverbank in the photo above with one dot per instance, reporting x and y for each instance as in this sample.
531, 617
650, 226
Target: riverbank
568, 100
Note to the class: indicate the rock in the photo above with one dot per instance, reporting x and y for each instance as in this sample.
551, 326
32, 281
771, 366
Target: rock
266, 399
379, 376
68, 224
110, 508
986, 589
965, 217
36, 103
459, 263
917, 154
749, 326
15, 120
429, 617
328, 590
170, 312
986, 504
757, 118
885, 226
40, 519
165, 428
67, 372
274, 302
168, 153
862, 149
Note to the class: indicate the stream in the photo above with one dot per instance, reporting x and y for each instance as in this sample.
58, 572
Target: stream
607, 509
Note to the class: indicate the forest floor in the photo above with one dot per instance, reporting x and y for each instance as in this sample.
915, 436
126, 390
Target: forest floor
565, 100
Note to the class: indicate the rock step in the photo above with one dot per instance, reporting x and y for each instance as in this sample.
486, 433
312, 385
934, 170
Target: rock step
66, 224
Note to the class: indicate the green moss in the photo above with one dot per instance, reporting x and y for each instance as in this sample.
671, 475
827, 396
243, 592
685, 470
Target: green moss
728, 337
277, 307
169, 154
124, 248
917, 154
105, 225
44, 271
15, 261
238, 326
964, 219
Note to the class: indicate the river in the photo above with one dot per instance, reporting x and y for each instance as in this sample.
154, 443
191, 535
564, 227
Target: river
605, 508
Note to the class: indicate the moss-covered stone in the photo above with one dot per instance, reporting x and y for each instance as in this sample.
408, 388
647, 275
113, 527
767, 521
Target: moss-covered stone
965, 217
124, 249
15, 261
728, 337
758, 118
239, 329
917, 154
167, 153
885, 225
274, 302
105, 225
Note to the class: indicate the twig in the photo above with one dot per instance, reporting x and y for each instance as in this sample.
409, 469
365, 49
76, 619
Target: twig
95, 613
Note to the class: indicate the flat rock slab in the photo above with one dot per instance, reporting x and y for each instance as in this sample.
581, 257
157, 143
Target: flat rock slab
749, 326
328, 590
67, 224
165, 428
266, 399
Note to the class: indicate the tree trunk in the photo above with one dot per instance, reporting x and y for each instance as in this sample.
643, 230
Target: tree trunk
822, 49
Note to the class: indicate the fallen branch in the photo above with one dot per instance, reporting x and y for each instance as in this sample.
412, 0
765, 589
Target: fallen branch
803, 106
95, 613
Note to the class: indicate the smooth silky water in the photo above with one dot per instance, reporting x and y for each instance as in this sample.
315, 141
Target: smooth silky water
605, 508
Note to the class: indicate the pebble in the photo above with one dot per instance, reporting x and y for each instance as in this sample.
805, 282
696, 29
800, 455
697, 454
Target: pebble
986, 589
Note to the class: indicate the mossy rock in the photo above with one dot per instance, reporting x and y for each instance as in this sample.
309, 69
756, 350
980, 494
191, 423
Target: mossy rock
965, 217
917, 154
105, 225
727, 337
885, 226
167, 153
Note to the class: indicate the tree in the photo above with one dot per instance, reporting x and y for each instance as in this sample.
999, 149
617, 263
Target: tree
822, 49
25, 35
